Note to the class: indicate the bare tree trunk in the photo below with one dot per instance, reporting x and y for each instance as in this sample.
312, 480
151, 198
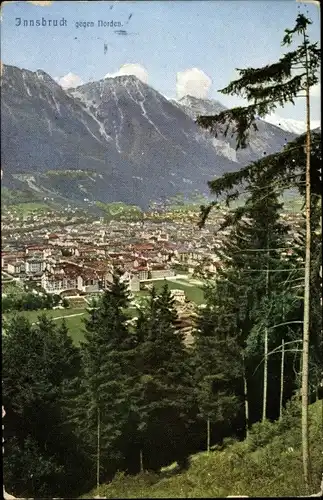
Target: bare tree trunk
282, 381
264, 400
208, 435
245, 392
98, 448
306, 318
141, 461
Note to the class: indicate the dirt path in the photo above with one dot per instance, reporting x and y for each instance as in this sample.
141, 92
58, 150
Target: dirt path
61, 317
68, 316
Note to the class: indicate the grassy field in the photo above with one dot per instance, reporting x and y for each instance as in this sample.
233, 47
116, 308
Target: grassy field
267, 464
74, 319
74, 323
28, 208
192, 291
74, 316
76, 328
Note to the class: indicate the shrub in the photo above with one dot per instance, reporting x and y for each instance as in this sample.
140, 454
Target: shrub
228, 441
261, 434
65, 303
291, 415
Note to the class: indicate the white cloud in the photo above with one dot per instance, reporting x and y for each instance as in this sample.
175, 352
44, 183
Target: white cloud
69, 80
192, 82
40, 3
131, 69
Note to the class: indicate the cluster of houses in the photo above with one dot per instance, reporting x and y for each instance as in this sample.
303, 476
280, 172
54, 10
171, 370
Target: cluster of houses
87, 269
78, 258
82, 257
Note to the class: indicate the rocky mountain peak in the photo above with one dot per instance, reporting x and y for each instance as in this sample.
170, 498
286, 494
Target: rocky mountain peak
194, 106
141, 146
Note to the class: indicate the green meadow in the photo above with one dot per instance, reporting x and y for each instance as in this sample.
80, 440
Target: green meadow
192, 291
74, 317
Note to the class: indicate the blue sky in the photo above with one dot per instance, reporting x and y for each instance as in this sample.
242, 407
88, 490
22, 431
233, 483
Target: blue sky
165, 37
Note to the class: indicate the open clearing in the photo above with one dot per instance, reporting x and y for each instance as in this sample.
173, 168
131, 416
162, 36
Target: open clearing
192, 291
74, 317
28, 208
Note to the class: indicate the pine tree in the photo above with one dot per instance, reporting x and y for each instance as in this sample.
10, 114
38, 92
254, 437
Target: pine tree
164, 396
267, 88
268, 269
282, 171
252, 285
315, 346
145, 323
36, 370
70, 362
103, 407
217, 369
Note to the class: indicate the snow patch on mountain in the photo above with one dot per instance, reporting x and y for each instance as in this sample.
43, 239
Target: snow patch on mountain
290, 125
223, 148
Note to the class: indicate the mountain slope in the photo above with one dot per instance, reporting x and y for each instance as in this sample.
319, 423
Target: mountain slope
151, 130
43, 128
37, 117
194, 106
267, 464
139, 145
127, 142
268, 139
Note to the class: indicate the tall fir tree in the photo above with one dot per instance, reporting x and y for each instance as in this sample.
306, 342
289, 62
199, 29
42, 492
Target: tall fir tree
163, 391
102, 410
39, 362
252, 284
267, 88
217, 369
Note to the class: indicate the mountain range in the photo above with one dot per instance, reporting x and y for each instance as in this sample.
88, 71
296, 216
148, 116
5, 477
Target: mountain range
116, 139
